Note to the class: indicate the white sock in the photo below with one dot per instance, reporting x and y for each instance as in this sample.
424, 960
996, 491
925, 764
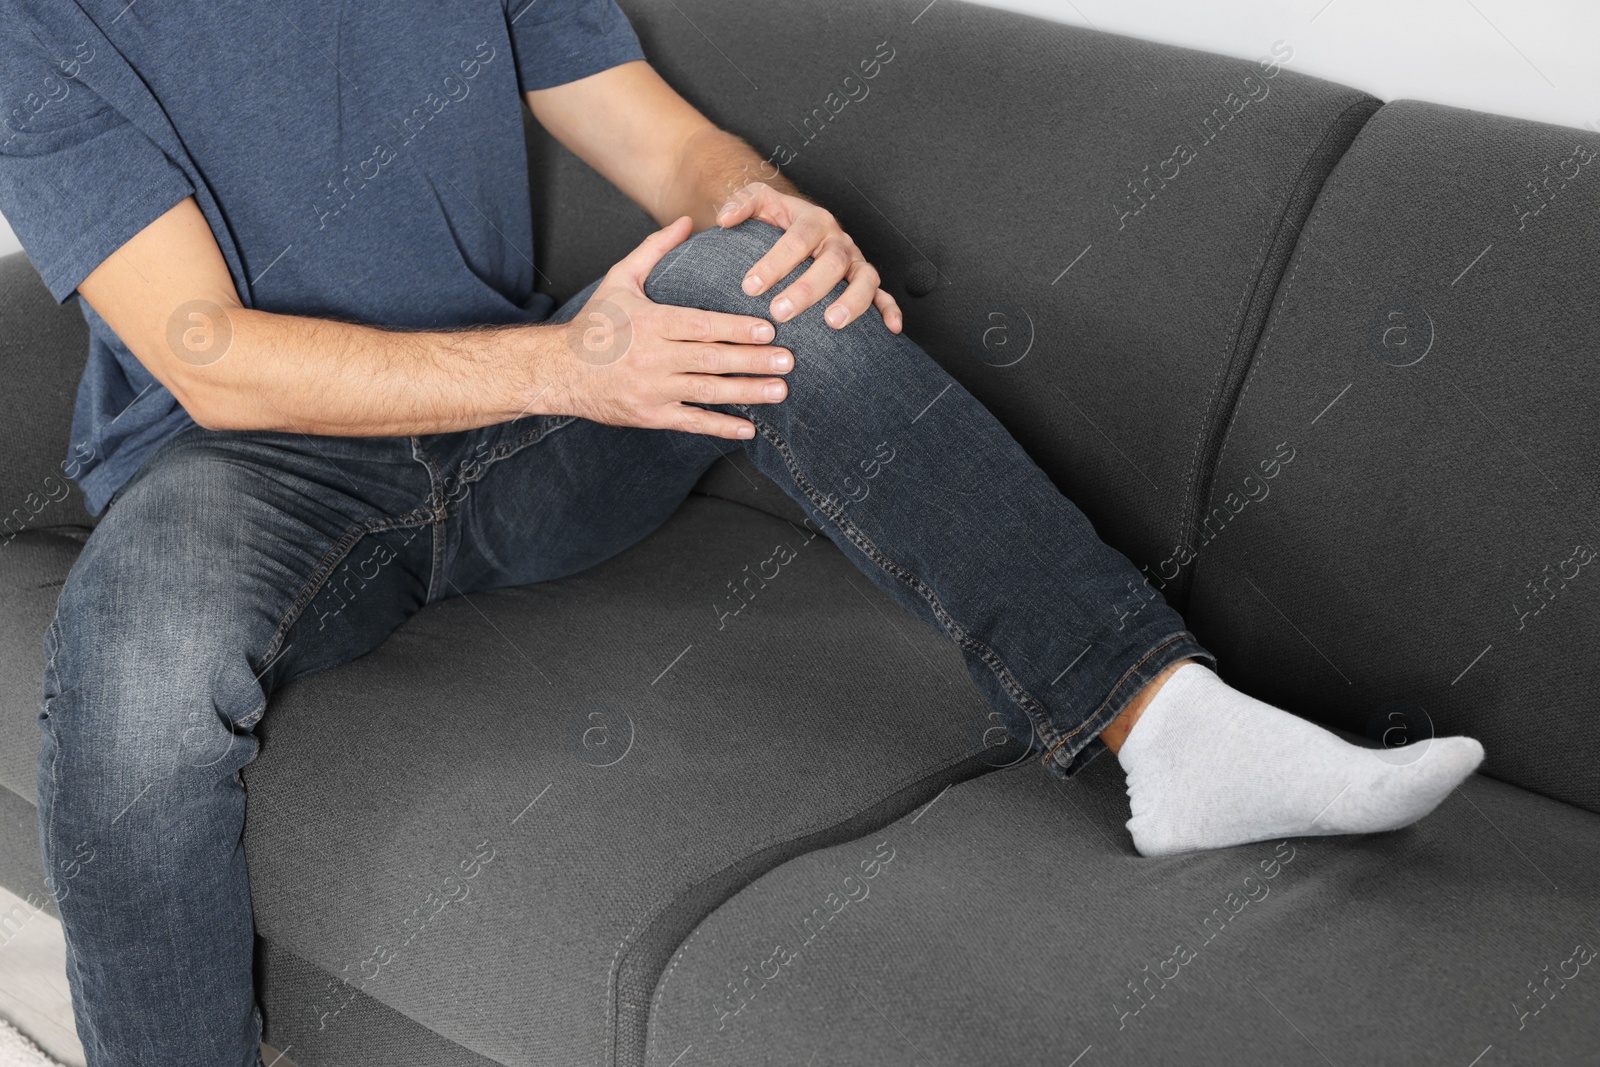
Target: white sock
1209, 766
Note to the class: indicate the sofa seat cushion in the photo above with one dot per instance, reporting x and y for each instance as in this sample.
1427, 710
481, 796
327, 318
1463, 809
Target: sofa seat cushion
1429, 372
503, 821
1010, 922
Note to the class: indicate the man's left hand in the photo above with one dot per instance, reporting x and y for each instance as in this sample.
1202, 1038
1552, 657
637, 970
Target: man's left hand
808, 230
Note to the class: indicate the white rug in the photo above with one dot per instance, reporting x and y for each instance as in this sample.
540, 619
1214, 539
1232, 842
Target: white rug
17, 1051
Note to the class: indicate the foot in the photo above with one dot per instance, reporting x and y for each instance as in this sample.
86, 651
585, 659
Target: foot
1210, 767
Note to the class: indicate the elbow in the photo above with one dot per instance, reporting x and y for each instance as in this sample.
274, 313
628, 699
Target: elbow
206, 390
204, 419
214, 416
204, 408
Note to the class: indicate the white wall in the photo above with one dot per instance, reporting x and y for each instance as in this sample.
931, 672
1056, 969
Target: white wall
1530, 58
1515, 57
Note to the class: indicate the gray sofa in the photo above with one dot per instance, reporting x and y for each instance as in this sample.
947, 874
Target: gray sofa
1326, 367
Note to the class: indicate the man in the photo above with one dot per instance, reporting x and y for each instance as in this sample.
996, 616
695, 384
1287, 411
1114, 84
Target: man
300, 235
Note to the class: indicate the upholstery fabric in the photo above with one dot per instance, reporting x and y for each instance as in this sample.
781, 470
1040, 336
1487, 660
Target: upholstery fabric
1434, 542
1013, 923
364, 1031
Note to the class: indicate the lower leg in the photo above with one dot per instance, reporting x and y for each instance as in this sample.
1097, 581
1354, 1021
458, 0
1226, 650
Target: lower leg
1114, 734
926, 492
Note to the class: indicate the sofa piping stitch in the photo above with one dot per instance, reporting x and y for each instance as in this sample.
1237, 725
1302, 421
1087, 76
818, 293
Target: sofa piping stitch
1191, 501
810, 828
1258, 348
1325, 199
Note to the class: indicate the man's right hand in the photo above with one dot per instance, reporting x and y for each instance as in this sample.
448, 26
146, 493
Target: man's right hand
634, 362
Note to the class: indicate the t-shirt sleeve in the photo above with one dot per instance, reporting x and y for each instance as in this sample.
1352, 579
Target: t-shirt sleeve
560, 41
77, 179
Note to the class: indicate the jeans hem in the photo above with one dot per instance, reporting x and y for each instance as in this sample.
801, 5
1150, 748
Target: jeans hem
1078, 748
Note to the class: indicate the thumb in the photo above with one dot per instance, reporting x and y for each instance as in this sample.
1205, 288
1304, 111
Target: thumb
747, 203
637, 265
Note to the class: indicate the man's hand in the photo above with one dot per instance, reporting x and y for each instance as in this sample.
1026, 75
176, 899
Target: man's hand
638, 363
808, 231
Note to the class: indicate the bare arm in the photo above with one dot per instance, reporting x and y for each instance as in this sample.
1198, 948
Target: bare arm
168, 295
634, 128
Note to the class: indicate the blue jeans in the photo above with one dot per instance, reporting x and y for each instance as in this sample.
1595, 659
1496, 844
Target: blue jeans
236, 561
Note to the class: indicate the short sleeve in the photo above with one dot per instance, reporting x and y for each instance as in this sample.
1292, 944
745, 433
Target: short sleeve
560, 41
77, 179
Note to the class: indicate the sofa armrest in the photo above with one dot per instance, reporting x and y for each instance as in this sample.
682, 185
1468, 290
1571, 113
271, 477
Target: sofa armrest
43, 347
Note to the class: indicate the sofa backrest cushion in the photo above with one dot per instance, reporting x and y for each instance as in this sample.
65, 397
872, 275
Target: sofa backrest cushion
1094, 224
1431, 552
42, 351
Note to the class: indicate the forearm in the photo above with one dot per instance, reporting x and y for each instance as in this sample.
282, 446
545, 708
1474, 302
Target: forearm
318, 376
712, 166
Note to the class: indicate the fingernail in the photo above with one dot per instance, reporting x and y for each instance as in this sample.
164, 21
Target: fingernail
782, 361
835, 316
752, 284
762, 331
725, 209
781, 307
774, 390
747, 432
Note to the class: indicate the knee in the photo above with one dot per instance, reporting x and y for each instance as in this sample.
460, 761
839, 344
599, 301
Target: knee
707, 271
140, 705
147, 676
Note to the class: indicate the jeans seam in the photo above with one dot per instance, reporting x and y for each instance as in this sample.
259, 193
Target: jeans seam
342, 547
436, 502
478, 468
49, 828
549, 425
473, 471
1030, 705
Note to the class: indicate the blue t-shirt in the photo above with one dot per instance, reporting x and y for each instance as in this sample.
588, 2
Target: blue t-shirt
362, 160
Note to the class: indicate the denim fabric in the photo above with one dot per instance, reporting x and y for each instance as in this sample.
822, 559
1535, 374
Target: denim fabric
233, 562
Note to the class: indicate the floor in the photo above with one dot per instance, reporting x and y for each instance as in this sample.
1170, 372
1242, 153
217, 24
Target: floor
33, 979
33, 983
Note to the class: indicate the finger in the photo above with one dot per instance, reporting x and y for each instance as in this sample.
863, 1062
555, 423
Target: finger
692, 324
637, 265
856, 298
689, 419
893, 317
667, 413
747, 202
829, 266
725, 389
797, 242
734, 359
